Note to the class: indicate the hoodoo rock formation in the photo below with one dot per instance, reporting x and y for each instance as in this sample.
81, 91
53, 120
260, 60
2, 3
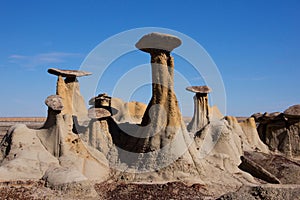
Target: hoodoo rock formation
55, 153
121, 111
68, 89
101, 101
120, 143
163, 138
55, 106
201, 108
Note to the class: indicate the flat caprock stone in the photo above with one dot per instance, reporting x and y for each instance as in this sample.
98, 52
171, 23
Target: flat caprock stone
68, 73
199, 89
159, 41
98, 113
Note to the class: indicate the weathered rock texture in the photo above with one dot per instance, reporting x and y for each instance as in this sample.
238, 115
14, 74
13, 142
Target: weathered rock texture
285, 169
54, 102
68, 73
98, 135
163, 137
121, 111
251, 136
115, 144
55, 106
274, 192
69, 91
54, 153
201, 108
257, 171
220, 143
23, 156
293, 111
98, 113
215, 113
101, 101
281, 131
131, 112
162, 112
162, 149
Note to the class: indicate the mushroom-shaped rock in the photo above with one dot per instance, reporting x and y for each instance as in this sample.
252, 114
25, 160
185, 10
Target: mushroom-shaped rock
98, 113
68, 73
162, 133
159, 41
99, 133
69, 91
163, 99
201, 108
102, 100
54, 102
55, 106
199, 89
293, 111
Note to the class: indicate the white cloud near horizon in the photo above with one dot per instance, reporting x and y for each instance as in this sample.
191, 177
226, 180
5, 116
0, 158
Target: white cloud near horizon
34, 61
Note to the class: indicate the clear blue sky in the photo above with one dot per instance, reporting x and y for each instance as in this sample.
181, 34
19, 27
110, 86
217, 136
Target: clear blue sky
254, 43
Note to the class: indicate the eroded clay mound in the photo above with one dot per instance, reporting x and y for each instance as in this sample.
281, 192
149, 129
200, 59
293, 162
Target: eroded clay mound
127, 111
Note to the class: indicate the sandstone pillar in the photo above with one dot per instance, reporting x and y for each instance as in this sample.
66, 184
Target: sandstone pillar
162, 119
201, 108
55, 106
98, 127
52, 139
69, 91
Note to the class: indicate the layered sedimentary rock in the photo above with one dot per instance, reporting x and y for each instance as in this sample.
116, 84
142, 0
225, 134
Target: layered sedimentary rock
121, 111
68, 89
67, 146
162, 112
101, 101
165, 151
127, 111
280, 131
221, 143
163, 137
51, 151
55, 106
251, 136
130, 142
98, 135
285, 169
201, 108
215, 113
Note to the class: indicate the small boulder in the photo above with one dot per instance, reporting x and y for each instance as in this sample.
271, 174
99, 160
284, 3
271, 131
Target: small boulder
293, 111
54, 102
